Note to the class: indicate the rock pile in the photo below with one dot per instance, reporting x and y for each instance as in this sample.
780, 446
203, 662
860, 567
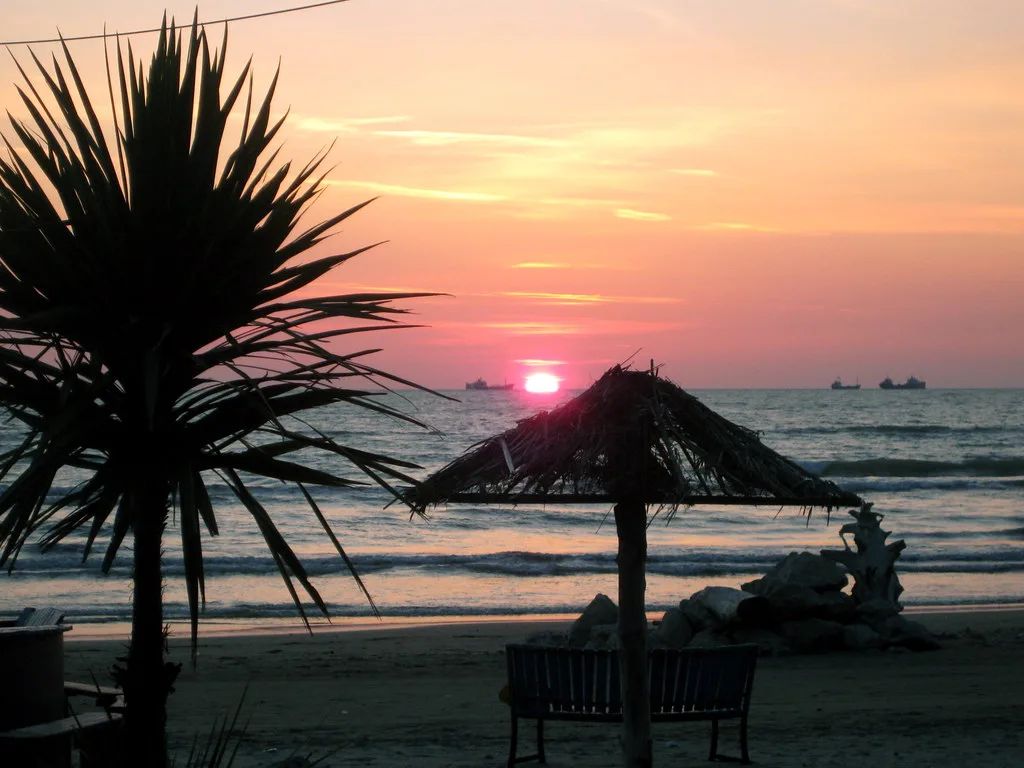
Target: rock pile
799, 606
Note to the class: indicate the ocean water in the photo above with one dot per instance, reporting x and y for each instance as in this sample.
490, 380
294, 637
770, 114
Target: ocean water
945, 467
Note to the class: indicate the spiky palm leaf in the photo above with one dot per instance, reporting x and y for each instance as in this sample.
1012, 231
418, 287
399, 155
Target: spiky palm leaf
157, 321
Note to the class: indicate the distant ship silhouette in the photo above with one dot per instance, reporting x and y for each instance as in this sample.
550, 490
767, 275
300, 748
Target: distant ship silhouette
911, 383
481, 384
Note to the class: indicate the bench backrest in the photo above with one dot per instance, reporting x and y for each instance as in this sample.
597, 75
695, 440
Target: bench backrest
545, 679
39, 617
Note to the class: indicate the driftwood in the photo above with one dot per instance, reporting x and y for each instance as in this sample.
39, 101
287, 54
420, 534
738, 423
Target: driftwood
873, 564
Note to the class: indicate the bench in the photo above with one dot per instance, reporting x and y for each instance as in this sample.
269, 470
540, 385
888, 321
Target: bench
549, 683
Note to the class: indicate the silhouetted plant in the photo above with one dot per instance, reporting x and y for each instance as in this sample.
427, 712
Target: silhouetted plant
158, 331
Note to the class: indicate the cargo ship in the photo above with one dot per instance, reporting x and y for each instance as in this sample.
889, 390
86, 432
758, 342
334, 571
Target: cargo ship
838, 384
911, 383
481, 384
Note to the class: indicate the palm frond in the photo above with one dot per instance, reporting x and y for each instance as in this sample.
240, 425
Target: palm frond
157, 317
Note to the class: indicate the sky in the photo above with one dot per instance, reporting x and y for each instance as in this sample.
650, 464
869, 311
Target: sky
750, 193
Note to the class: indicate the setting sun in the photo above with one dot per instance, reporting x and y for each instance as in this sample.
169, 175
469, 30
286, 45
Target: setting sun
541, 382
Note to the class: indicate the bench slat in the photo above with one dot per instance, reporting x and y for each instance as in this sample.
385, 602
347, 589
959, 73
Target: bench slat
63, 727
688, 683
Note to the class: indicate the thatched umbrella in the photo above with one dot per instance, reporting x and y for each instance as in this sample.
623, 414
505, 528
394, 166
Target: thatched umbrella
632, 439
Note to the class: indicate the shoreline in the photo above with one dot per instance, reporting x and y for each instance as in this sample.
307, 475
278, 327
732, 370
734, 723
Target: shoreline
426, 694
99, 631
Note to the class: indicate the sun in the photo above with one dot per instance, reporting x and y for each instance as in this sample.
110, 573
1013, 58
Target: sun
541, 382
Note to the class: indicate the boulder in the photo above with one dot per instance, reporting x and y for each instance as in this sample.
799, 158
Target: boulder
769, 643
876, 612
812, 635
803, 569
861, 637
600, 611
603, 637
902, 633
710, 638
721, 603
697, 614
787, 601
548, 638
674, 631
836, 606
756, 611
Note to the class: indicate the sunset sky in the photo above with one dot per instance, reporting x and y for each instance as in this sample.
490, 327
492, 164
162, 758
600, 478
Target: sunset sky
754, 193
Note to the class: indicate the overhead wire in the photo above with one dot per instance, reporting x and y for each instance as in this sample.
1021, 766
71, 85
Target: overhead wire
103, 35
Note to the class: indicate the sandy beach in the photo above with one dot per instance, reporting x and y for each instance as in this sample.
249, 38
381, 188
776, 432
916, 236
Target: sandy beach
427, 695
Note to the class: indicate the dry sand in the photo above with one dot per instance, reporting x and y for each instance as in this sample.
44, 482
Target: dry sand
428, 696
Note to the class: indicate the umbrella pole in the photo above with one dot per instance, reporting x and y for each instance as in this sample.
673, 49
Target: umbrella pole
631, 526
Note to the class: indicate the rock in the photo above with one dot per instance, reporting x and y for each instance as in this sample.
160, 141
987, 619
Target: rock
787, 601
721, 603
548, 638
769, 643
803, 569
876, 612
603, 637
674, 631
697, 614
709, 638
812, 635
600, 611
861, 637
903, 633
836, 606
756, 611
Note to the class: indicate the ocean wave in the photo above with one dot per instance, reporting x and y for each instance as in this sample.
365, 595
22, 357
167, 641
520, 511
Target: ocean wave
981, 466
516, 565
867, 430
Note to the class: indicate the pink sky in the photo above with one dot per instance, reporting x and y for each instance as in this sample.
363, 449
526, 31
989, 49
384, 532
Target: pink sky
753, 194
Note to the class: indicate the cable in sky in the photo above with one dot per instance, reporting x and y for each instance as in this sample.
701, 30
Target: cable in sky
101, 36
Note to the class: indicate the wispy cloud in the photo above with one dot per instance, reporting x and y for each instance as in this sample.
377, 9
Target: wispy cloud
629, 213
579, 202
704, 172
562, 298
342, 125
437, 194
736, 226
592, 327
588, 298
536, 328
444, 138
534, 362
555, 265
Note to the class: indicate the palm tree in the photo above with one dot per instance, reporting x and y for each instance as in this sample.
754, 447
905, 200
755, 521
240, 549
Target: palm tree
158, 331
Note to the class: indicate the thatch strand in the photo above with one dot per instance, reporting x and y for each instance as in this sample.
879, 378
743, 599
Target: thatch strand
632, 435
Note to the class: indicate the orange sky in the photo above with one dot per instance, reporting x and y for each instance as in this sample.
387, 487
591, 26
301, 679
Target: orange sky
754, 194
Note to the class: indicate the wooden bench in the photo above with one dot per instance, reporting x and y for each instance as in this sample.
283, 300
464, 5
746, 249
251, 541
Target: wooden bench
50, 743
548, 683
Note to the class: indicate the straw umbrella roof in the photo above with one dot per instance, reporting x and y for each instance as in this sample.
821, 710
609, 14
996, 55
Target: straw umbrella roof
632, 435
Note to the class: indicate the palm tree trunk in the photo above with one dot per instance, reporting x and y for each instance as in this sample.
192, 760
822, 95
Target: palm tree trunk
631, 526
146, 683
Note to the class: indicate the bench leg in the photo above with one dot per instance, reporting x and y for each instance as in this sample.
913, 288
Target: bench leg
713, 754
744, 756
513, 746
512, 742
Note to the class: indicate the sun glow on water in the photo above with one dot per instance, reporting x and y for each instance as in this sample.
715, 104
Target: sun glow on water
541, 382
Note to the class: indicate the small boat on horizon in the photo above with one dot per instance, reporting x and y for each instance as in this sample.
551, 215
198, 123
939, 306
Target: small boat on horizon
911, 383
481, 384
838, 384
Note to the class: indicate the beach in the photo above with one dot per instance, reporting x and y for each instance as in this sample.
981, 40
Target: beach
426, 694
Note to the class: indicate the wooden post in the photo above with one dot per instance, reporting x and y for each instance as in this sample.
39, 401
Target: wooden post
631, 525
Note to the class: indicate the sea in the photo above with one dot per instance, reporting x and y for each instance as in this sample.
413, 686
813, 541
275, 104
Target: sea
944, 467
